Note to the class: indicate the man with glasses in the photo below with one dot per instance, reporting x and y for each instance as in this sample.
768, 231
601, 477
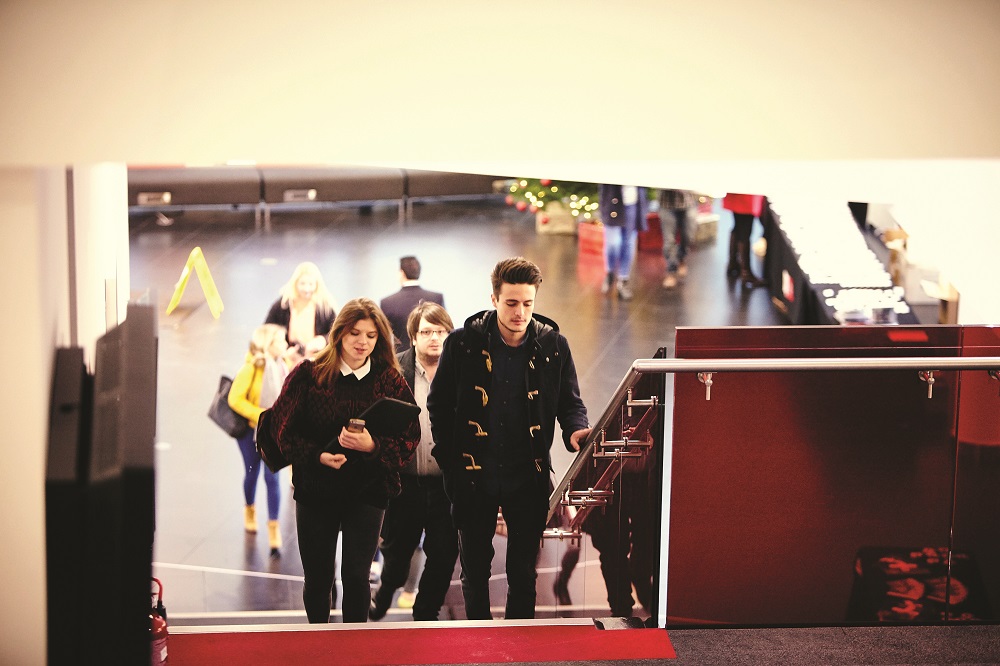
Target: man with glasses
422, 508
501, 383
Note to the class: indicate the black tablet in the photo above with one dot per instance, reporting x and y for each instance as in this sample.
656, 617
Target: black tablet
389, 416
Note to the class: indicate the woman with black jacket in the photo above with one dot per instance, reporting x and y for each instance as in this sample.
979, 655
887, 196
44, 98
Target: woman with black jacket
343, 479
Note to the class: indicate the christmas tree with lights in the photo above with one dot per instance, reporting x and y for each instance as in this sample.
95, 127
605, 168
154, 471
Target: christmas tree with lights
543, 195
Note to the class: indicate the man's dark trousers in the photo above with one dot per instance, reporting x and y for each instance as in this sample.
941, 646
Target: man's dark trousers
422, 506
524, 511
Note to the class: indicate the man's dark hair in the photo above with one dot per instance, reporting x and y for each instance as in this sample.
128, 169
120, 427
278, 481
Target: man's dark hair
516, 270
410, 267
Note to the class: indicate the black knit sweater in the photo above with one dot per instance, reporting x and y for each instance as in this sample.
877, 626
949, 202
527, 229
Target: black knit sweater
307, 420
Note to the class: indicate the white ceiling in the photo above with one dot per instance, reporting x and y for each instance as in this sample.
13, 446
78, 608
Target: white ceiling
582, 90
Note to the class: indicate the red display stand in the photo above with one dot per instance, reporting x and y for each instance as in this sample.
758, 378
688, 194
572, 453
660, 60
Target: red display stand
651, 240
591, 238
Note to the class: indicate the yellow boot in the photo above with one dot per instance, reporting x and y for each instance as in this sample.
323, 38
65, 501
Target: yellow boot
250, 518
274, 536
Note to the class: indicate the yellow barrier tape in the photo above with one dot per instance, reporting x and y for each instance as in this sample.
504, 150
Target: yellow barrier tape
196, 260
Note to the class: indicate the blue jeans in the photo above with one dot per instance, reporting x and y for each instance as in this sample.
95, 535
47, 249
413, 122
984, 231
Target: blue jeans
252, 465
676, 240
619, 250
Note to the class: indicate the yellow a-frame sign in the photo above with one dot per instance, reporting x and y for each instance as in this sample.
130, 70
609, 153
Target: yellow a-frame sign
196, 260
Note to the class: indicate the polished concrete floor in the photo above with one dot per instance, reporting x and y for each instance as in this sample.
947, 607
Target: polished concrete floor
214, 572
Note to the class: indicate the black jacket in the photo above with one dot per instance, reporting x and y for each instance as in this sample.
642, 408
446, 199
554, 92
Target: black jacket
459, 405
397, 308
282, 316
408, 362
613, 207
307, 417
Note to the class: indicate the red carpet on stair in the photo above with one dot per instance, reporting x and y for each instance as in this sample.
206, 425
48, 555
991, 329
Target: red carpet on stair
432, 645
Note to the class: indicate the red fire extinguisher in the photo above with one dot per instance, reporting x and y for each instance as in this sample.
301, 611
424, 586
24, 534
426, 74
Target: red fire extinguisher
158, 627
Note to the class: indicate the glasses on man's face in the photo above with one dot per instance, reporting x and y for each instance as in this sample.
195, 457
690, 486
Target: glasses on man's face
427, 333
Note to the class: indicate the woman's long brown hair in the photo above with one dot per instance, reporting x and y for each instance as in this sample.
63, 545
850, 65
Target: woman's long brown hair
328, 359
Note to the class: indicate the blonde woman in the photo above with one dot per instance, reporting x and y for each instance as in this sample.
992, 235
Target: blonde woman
306, 310
255, 388
343, 479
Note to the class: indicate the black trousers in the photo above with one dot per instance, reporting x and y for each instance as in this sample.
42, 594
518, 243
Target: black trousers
743, 226
421, 508
318, 528
524, 512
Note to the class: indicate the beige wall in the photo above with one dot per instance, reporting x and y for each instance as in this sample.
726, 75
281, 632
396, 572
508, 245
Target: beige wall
35, 266
33, 270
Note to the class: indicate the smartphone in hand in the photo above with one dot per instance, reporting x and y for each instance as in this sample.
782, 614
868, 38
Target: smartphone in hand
356, 425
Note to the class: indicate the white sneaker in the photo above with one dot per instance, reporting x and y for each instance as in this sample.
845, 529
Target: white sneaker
670, 281
609, 280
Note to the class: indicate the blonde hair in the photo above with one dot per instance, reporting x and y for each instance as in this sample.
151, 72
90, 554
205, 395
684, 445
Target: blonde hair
328, 359
261, 339
321, 297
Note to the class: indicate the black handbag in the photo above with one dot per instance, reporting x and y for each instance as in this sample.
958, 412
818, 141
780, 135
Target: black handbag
267, 445
232, 423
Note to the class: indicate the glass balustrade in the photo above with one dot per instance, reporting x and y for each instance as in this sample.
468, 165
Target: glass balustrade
813, 476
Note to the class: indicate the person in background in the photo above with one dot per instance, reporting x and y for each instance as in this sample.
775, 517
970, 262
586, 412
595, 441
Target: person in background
255, 388
623, 213
422, 507
675, 209
343, 478
397, 306
502, 382
306, 310
745, 207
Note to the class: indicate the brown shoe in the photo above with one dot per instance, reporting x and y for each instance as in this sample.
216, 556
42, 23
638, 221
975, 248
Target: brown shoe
747, 278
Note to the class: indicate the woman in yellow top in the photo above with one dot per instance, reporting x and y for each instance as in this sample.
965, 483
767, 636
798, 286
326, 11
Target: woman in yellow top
255, 388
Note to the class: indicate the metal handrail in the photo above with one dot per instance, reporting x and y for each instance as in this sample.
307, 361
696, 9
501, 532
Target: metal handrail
645, 366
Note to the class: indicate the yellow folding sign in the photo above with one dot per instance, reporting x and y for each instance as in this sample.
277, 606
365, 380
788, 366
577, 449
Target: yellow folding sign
196, 260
